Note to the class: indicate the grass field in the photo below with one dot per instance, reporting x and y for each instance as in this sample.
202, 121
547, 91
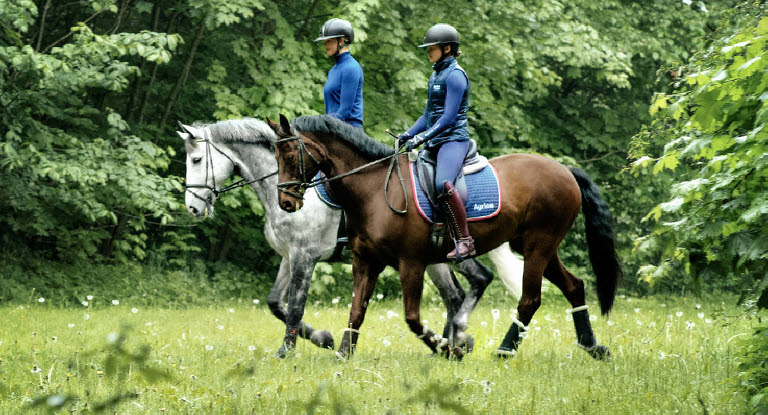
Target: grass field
669, 356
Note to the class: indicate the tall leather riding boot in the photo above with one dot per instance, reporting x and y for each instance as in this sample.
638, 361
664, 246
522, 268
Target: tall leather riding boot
456, 216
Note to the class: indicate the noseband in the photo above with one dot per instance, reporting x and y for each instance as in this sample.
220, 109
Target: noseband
209, 160
303, 184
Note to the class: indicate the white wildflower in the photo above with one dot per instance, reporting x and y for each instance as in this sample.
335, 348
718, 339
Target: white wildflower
335, 300
41, 300
134, 310
115, 302
208, 347
379, 296
89, 297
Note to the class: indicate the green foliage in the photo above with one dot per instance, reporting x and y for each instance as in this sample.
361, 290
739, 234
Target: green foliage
752, 370
712, 225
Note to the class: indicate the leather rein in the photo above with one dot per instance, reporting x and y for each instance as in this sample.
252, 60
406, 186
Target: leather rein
305, 184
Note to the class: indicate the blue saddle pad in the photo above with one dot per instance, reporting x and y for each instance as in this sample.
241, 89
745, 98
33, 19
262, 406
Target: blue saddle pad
322, 193
483, 195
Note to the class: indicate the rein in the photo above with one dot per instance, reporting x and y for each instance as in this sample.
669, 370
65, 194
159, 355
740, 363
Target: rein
303, 184
209, 160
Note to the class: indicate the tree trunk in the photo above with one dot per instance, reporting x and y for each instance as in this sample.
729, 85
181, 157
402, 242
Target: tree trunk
226, 244
130, 109
107, 247
182, 79
42, 25
306, 19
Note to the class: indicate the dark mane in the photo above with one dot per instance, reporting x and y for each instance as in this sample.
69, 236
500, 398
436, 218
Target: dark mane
246, 130
367, 146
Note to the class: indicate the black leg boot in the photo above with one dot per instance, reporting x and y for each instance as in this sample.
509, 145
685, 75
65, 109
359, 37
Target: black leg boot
512, 340
585, 336
453, 209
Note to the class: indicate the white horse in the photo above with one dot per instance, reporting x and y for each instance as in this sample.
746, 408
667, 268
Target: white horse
246, 147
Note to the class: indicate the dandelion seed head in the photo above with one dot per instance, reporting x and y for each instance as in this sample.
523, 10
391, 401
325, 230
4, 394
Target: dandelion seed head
134, 310
70, 325
55, 401
113, 337
386, 343
679, 314
41, 300
89, 297
115, 302
231, 310
335, 300
251, 348
85, 303
483, 323
708, 321
379, 296
208, 347
255, 301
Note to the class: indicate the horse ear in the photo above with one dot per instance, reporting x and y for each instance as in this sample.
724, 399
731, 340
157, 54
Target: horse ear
184, 136
285, 124
273, 125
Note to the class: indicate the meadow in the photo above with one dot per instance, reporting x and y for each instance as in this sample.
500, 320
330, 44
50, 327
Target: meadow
670, 355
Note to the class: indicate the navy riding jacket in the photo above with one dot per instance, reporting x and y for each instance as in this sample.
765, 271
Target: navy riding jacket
445, 117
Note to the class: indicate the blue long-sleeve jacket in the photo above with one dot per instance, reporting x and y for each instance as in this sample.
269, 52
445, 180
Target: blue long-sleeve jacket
343, 91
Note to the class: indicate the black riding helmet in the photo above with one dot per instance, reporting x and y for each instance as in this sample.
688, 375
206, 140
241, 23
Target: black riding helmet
440, 33
335, 28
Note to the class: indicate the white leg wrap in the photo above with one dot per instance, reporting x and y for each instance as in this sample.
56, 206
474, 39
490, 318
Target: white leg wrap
577, 309
351, 330
520, 324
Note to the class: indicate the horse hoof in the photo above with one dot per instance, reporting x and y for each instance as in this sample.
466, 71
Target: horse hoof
599, 352
322, 339
283, 352
342, 355
469, 344
504, 353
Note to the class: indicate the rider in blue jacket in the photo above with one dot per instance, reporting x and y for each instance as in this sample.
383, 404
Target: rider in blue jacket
443, 127
343, 91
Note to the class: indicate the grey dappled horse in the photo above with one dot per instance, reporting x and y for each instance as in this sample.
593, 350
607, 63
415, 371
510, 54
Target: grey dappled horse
246, 147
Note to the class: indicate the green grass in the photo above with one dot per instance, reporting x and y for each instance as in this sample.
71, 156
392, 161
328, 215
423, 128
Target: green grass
656, 369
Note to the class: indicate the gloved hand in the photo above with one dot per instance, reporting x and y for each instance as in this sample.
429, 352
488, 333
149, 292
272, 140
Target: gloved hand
412, 143
402, 138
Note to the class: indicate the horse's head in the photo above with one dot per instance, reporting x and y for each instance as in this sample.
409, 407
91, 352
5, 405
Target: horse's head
296, 166
207, 169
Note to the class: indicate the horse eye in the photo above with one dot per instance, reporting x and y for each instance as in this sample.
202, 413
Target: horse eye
196, 160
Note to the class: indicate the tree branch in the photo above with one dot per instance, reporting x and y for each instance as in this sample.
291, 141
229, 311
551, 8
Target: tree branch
63, 38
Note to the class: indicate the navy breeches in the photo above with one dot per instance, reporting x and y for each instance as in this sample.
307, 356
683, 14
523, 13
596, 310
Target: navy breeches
450, 157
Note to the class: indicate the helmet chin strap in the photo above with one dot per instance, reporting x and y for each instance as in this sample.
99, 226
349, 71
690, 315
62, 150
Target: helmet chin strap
338, 47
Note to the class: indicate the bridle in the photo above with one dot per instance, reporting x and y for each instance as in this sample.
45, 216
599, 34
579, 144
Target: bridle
209, 161
305, 184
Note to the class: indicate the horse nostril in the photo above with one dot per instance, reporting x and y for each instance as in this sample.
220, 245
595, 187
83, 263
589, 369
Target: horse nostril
287, 206
192, 210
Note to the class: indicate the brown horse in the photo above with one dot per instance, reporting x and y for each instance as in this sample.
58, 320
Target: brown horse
540, 200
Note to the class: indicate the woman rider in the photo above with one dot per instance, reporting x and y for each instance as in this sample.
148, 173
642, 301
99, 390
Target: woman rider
343, 91
445, 122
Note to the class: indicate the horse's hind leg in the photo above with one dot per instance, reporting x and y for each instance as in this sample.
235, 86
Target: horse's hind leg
538, 252
293, 279
479, 276
573, 289
450, 290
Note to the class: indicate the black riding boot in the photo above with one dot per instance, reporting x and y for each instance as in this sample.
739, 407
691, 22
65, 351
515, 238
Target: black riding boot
455, 214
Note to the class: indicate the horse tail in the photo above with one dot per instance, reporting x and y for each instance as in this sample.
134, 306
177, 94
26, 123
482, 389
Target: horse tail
600, 240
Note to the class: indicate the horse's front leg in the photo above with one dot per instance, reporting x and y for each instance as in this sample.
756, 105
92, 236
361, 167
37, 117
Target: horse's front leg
365, 275
276, 303
302, 265
452, 294
479, 276
412, 281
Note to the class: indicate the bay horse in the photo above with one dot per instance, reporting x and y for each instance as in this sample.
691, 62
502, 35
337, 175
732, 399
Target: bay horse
540, 201
245, 147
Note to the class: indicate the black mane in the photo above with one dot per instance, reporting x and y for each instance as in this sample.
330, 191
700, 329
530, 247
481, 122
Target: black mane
367, 146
